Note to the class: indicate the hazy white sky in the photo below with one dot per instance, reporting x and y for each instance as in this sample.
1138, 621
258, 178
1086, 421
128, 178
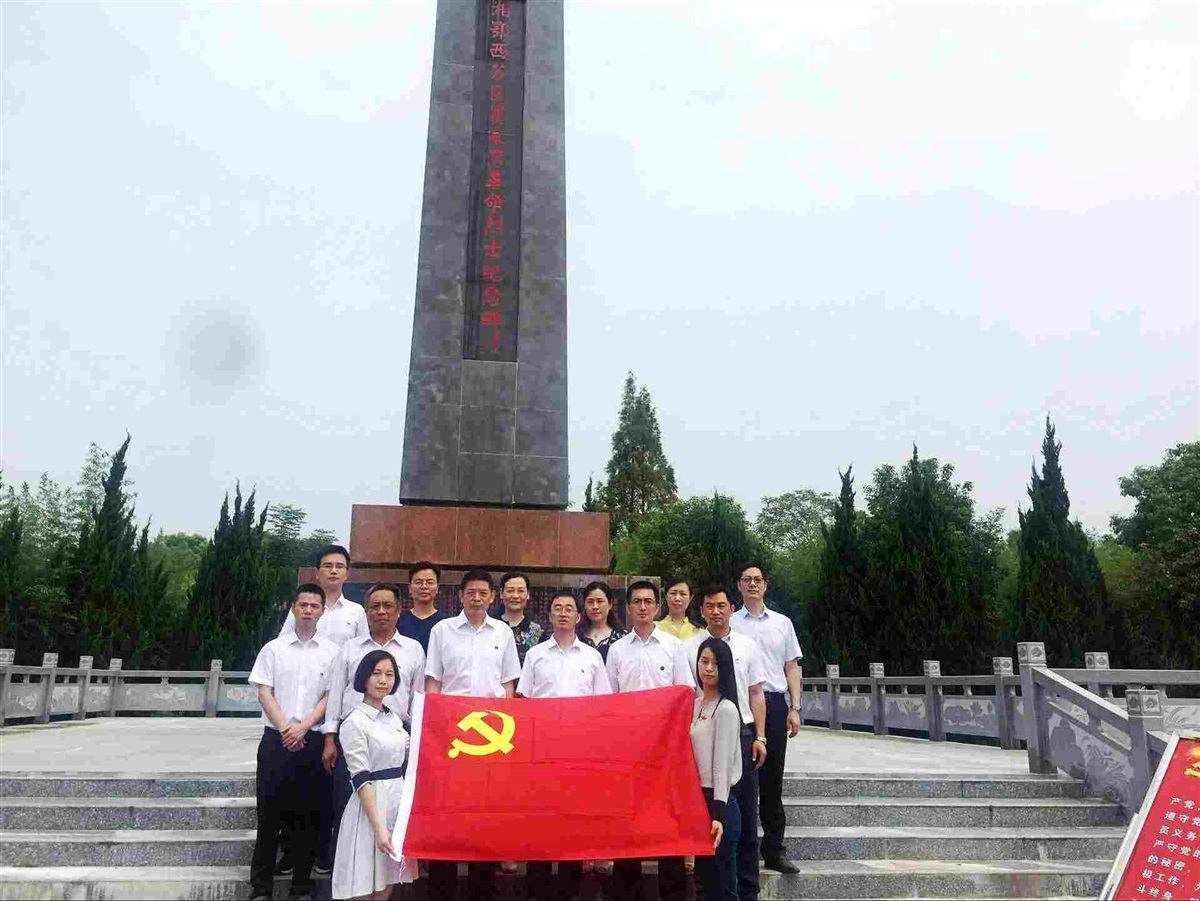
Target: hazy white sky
817, 233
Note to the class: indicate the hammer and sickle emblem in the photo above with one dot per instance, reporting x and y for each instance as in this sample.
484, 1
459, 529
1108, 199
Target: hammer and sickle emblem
495, 741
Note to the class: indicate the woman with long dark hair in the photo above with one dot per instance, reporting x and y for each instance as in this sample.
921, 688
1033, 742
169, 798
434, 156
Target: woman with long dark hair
716, 730
601, 626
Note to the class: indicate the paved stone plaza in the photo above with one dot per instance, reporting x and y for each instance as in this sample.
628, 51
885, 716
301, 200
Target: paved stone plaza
191, 745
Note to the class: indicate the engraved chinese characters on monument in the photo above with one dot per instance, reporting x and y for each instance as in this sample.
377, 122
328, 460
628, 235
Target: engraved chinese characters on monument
494, 239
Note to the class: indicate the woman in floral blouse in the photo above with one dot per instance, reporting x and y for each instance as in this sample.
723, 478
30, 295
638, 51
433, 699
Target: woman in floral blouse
601, 625
514, 596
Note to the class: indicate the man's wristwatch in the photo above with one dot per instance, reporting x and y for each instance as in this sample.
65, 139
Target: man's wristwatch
761, 738
795, 707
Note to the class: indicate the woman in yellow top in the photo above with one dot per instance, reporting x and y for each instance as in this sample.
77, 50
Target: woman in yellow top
676, 622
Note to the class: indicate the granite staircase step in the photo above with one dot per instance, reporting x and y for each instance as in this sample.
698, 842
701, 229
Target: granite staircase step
961, 843
946, 812
40, 814
127, 848
125, 785
870, 785
845, 879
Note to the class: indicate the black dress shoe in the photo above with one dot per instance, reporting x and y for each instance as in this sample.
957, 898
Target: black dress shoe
284, 866
780, 865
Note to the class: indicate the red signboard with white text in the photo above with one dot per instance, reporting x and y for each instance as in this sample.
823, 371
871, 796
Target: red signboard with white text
1160, 858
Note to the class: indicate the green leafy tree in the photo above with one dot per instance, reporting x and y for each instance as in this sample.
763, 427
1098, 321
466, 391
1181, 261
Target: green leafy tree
118, 594
705, 538
788, 520
233, 607
1061, 596
591, 503
179, 555
839, 617
640, 481
931, 569
1163, 533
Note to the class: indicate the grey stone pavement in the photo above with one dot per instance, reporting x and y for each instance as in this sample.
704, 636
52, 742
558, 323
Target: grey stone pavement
191, 745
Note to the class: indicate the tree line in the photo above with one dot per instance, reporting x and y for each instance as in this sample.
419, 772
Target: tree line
917, 571
911, 570
78, 575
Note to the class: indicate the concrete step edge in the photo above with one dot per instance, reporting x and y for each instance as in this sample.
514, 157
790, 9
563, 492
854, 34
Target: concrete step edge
125, 836
962, 833
203, 802
884, 866
891, 801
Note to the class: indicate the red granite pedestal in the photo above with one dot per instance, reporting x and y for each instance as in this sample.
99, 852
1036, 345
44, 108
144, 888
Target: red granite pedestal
557, 548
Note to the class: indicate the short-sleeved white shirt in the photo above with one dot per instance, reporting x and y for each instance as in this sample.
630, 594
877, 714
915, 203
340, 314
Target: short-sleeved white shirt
553, 672
635, 664
296, 671
776, 638
472, 662
339, 623
410, 660
747, 665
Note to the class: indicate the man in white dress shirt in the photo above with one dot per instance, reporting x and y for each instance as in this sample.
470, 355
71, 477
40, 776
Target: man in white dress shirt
341, 619
383, 610
749, 670
291, 673
562, 667
783, 688
475, 656
648, 658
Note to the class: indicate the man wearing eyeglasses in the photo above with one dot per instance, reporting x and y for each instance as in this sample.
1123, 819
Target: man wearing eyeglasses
418, 622
341, 619
475, 656
782, 686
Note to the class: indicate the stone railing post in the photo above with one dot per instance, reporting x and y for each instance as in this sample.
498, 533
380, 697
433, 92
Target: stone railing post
85, 680
1001, 667
933, 700
50, 662
114, 684
1144, 706
1031, 656
1097, 660
833, 672
214, 688
878, 699
7, 656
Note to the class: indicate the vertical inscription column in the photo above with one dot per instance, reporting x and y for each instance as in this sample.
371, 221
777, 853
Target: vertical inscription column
494, 239
486, 421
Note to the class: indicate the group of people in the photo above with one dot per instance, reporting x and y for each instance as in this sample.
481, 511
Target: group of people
336, 689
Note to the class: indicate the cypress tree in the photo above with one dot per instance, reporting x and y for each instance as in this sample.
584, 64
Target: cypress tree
232, 606
835, 624
1061, 596
114, 589
640, 480
11, 529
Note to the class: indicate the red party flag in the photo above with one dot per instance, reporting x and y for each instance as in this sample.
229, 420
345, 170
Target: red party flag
591, 778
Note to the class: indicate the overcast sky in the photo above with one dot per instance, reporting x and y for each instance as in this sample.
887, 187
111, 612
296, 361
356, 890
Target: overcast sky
817, 233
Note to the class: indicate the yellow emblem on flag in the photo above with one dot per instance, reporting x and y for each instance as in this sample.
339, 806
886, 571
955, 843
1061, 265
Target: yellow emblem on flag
476, 721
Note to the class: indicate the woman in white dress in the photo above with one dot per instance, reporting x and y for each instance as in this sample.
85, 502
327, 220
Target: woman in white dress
375, 744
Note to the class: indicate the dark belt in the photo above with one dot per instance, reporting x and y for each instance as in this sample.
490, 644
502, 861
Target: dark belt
774, 692
358, 780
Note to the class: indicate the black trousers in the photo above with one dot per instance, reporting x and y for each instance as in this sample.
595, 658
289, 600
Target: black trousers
288, 786
770, 777
627, 879
540, 883
746, 792
443, 880
340, 793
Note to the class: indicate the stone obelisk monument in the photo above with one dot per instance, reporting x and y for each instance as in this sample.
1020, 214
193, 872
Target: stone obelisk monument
484, 470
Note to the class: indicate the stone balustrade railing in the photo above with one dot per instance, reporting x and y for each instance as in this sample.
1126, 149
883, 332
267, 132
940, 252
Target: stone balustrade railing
40, 692
1082, 727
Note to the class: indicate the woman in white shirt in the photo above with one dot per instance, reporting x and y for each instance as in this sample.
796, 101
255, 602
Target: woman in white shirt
716, 741
375, 744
